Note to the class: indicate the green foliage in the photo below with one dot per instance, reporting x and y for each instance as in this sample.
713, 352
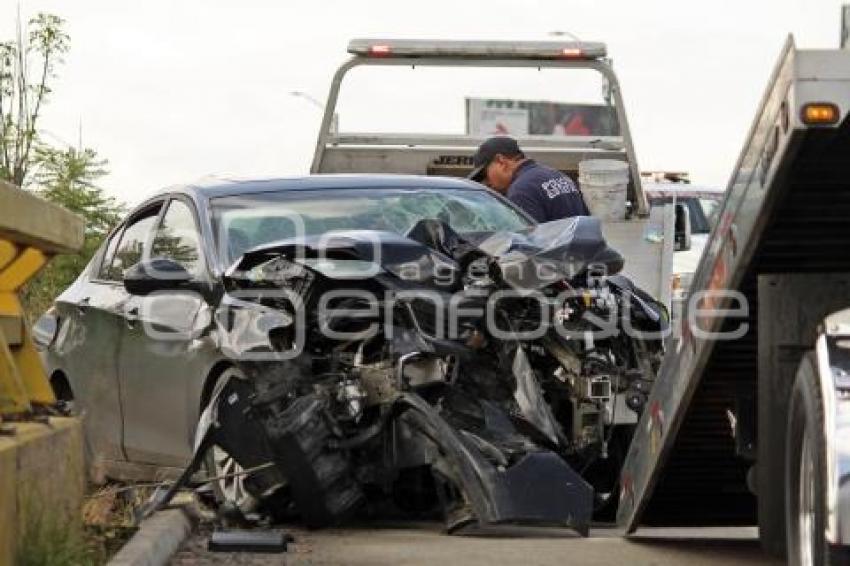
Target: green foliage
67, 177
50, 541
27, 66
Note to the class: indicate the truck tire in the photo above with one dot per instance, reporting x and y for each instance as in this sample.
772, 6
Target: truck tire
805, 500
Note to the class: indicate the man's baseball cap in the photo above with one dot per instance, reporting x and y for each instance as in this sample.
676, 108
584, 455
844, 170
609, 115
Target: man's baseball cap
488, 150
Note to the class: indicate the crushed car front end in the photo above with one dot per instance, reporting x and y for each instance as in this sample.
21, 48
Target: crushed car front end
482, 373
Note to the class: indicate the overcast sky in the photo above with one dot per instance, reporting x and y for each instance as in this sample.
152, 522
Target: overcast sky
172, 90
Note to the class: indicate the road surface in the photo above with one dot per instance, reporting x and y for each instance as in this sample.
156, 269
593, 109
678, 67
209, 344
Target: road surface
423, 543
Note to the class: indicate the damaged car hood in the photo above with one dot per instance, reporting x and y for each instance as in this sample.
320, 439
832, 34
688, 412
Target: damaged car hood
433, 252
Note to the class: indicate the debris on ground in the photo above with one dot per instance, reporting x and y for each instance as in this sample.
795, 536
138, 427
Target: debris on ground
108, 517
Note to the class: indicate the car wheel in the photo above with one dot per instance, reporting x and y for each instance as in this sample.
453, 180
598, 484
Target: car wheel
228, 479
63, 393
229, 485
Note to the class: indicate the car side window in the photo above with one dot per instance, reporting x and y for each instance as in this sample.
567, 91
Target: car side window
131, 249
108, 254
177, 237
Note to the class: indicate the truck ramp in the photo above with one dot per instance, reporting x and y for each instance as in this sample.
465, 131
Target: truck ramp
786, 211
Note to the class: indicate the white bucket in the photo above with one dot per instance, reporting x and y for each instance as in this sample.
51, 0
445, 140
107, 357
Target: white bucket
603, 183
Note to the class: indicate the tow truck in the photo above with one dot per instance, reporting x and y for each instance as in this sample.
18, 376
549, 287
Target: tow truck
749, 418
645, 237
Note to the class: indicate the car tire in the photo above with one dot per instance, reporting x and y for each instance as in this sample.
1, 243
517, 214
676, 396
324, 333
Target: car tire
238, 443
805, 493
63, 393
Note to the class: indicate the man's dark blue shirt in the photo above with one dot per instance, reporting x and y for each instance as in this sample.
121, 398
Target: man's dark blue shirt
544, 193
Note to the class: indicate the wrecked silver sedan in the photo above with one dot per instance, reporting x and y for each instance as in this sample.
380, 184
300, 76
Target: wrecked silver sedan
327, 345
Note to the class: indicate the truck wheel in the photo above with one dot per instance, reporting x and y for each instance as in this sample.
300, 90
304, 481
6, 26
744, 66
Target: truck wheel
805, 500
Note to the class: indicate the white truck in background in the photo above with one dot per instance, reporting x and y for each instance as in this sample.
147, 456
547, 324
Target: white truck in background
644, 237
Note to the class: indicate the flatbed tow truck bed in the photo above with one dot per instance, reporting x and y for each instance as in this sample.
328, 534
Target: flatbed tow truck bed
717, 411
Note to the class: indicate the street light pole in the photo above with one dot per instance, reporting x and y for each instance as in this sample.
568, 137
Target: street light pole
312, 100
845, 26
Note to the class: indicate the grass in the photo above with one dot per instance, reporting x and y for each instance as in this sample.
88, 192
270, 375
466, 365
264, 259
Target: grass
50, 540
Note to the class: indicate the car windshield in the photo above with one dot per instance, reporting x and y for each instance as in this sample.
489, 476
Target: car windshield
246, 221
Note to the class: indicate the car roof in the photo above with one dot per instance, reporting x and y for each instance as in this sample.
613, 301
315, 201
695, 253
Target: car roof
213, 187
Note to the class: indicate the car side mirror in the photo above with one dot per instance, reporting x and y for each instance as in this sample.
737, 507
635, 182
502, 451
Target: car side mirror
682, 229
158, 274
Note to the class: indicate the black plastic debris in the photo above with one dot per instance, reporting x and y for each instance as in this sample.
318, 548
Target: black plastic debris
270, 542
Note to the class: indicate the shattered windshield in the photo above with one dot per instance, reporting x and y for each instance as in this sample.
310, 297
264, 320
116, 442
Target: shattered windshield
246, 221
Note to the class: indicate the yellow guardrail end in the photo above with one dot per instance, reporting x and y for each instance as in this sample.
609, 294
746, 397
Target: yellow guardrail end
21, 269
31, 230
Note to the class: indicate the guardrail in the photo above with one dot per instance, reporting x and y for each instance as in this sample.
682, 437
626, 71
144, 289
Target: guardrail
31, 231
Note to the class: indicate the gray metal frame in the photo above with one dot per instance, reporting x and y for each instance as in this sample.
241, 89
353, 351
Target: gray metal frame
328, 137
684, 363
799, 77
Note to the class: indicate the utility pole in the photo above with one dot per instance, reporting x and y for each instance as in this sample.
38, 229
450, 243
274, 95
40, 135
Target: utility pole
845, 26
312, 100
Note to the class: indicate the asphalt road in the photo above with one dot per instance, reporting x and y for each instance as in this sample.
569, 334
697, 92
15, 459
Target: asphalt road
423, 543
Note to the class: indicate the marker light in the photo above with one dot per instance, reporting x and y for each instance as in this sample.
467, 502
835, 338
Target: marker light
819, 113
572, 53
380, 50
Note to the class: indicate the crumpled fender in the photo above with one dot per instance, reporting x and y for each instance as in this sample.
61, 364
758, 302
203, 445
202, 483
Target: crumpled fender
540, 488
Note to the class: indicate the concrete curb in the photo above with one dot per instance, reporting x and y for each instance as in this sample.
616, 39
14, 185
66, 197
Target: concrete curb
157, 539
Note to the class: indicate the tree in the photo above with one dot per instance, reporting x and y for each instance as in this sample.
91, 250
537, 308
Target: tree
67, 177
23, 93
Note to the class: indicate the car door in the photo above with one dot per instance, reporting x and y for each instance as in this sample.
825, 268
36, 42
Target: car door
85, 350
162, 356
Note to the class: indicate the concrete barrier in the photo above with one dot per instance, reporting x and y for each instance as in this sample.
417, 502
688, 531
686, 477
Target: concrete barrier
42, 478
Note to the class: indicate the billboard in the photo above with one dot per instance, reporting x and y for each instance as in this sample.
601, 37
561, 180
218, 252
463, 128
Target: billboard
495, 116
